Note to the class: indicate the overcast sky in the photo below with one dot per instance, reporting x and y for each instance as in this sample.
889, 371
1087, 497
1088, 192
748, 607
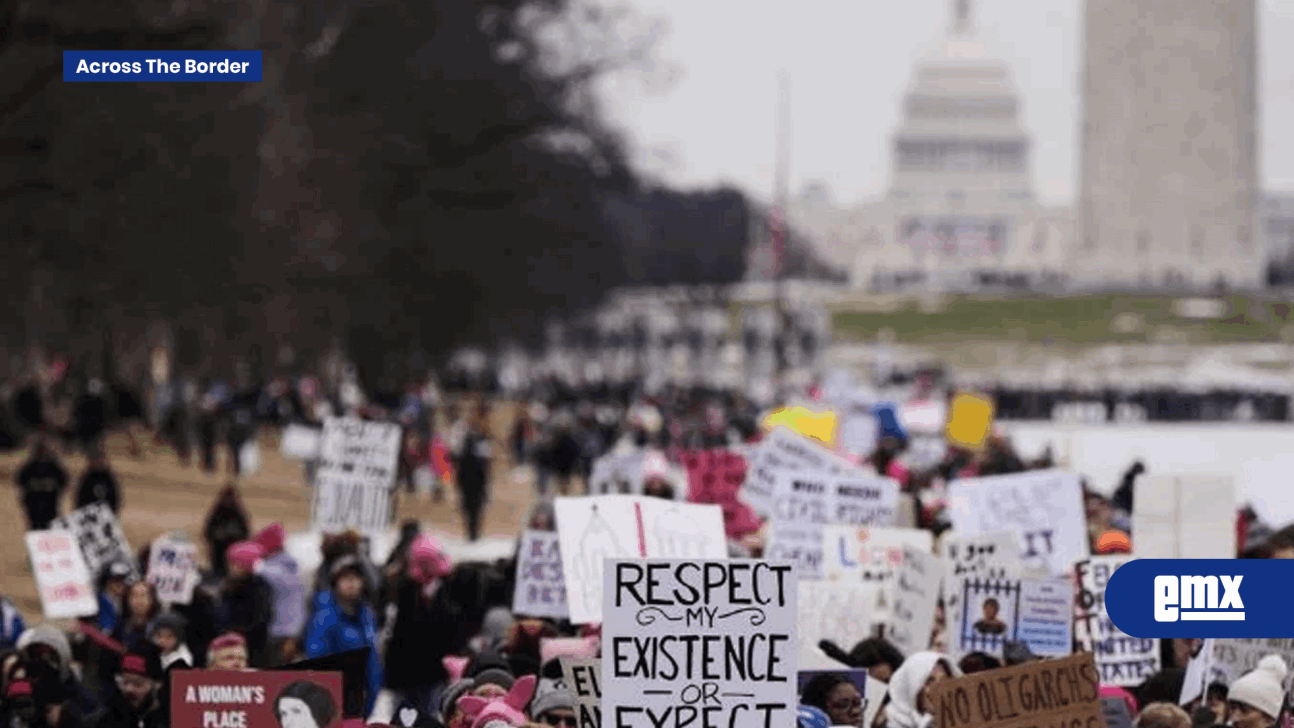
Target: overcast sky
850, 61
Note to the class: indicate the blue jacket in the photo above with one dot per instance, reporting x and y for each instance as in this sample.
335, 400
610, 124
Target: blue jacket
107, 619
11, 624
331, 631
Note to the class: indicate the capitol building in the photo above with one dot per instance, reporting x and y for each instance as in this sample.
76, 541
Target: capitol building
960, 214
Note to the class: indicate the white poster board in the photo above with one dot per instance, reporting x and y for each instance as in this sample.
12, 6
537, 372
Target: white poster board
591, 529
1037, 612
62, 579
583, 677
671, 630
915, 596
540, 586
1043, 508
784, 450
98, 533
852, 553
805, 502
1121, 659
1185, 517
301, 442
173, 569
356, 477
841, 612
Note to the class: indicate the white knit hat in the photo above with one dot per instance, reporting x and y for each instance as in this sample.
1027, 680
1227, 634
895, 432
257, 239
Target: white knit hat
1264, 688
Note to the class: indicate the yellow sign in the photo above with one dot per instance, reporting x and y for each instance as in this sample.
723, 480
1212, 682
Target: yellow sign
820, 426
970, 420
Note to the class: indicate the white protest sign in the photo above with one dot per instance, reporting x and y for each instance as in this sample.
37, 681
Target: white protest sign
1037, 612
1043, 508
698, 642
784, 450
841, 612
173, 570
583, 677
540, 587
617, 474
1200, 671
805, 502
301, 442
866, 554
65, 586
591, 529
356, 476
99, 535
916, 594
992, 555
1120, 658
925, 417
1185, 517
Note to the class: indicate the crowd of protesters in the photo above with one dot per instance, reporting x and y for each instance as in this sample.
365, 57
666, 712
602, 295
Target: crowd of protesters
435, 632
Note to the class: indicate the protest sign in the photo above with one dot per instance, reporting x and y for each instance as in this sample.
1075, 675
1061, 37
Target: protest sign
692, 642
1036, 612
990, 555
811, 682
1121, 659
868, 554
804, 502
301, 442
233, 699
970, 420
924, 417
617, 474
540, 587
840, 612
1061, 692
1185, 517
1043, 508
173, 569
65, 586
1116, 712
784, 450
582, 677
1200, 671
594, 528
98, 534
915, 596
356, 476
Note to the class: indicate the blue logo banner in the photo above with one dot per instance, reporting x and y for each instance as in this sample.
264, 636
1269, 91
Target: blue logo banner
1202, 598
161, 66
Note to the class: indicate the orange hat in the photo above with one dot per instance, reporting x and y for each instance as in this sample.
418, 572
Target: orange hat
1113, 542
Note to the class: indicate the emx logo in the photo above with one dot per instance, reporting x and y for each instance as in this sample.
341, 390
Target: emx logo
1165, 598
1195, 599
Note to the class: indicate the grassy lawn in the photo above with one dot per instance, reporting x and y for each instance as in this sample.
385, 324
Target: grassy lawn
1080, 320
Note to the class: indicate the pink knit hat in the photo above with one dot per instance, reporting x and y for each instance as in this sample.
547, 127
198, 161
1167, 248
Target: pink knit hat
575, 648
244, 554
427, 559
1114, 691
271, 538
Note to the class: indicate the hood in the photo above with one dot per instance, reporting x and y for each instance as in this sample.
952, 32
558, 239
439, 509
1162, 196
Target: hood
906, 684
46, 635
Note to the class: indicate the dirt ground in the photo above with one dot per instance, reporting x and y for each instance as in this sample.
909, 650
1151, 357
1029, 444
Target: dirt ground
159, 495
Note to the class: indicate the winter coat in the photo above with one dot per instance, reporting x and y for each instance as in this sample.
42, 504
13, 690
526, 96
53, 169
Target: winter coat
119, 714
332, 630
283, 575
425, 630
98, 486
246, 607
11, 624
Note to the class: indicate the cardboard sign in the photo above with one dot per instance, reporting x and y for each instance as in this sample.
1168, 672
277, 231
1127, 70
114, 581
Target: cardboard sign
804, 503
687, 642
1045, 693
98, 533
1185, 517
970, 420
173, 570
1121, 659
1043, 508
356, 476
583, 677
228, 699
540, 586
301, 442
65, 586
841, 612
916, 594
1036, 612
595, 528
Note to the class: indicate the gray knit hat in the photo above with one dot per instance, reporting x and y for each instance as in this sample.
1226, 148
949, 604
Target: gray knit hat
551, 695
452, 693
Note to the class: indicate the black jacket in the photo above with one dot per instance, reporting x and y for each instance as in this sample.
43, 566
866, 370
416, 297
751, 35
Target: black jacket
98, 486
